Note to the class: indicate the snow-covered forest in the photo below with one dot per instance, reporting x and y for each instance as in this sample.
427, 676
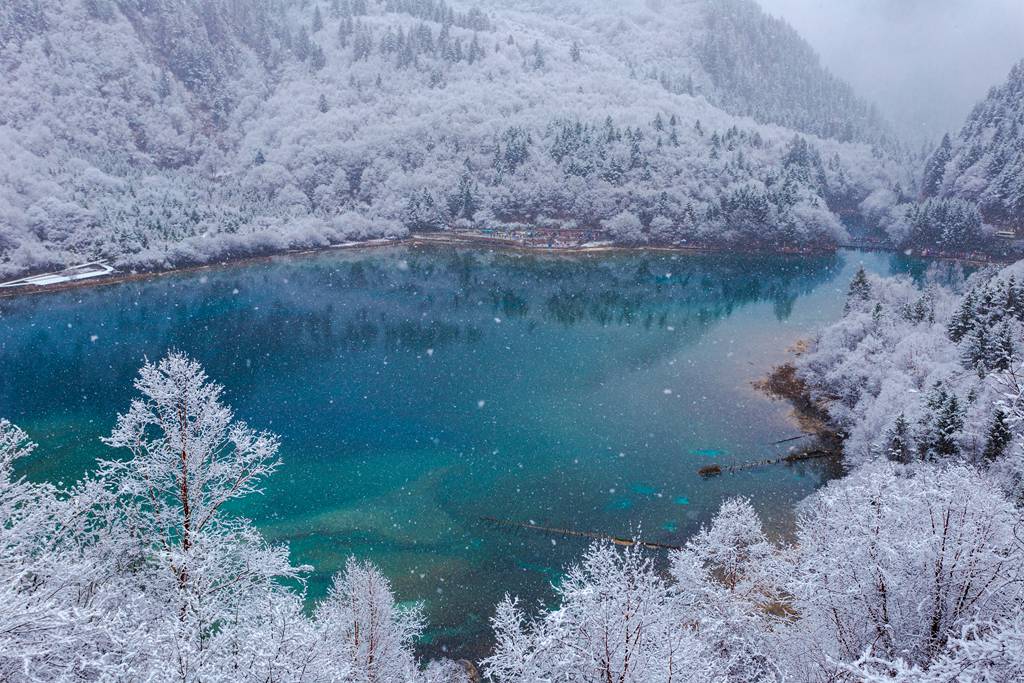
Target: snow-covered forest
907, 569
984, 164
156, 135
930, 374
971, 184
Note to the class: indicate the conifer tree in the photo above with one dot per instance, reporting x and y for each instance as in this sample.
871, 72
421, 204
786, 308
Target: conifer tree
935, 169
898, 437
977, 349
1001, 352
963, 320
303, 45
575, 52
317, 59
999, 437
537, 62
950, 422
860, 288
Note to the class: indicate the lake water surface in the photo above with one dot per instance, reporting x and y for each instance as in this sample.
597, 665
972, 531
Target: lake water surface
418, 390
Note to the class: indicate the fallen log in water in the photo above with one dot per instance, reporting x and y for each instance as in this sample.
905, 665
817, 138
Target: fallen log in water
792, 438
581, 534
715, 470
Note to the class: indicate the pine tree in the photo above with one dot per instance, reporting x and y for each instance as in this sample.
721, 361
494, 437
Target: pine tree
1011, 304
303, 45
999, 437
860, 288
318, 20
977, 351
575, 52
164, 86
927, 433
463, 202
935, 169
1001, 351
260, 158
963, 320
538, 57
317, 59
899, 448
322, 105
949, 423
476, 52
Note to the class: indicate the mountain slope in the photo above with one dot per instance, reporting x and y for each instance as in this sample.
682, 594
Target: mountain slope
157, 133
984, 164
741, 59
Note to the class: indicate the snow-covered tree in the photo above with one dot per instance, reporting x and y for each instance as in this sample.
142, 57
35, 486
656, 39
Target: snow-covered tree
362, 634
617, 621
895, 563
726, 584
140, 573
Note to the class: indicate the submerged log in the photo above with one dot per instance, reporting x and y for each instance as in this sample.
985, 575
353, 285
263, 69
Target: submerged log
710, 471
581, 534
792, 438
816, 454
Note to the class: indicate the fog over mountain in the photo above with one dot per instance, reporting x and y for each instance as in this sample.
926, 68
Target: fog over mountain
919, 60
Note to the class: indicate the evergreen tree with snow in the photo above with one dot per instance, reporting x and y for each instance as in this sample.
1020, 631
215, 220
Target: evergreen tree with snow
999, 437
978, 349
963, 321
859, 289
537, 60
935, 169
899, 448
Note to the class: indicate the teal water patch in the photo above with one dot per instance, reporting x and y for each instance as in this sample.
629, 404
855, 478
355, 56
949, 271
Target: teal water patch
418, 390
670, 527
706, 452
553, 575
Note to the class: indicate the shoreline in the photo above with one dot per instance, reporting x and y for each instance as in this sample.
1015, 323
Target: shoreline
782, 383
470, 241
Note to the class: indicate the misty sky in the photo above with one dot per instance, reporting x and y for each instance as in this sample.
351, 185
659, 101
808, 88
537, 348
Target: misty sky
924, 62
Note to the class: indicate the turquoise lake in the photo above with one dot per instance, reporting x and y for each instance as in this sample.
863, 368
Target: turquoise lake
417, 390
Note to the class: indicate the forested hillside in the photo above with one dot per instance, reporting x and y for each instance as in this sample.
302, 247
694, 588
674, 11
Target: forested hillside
928, 375
984, 164
971, 184
157, 134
